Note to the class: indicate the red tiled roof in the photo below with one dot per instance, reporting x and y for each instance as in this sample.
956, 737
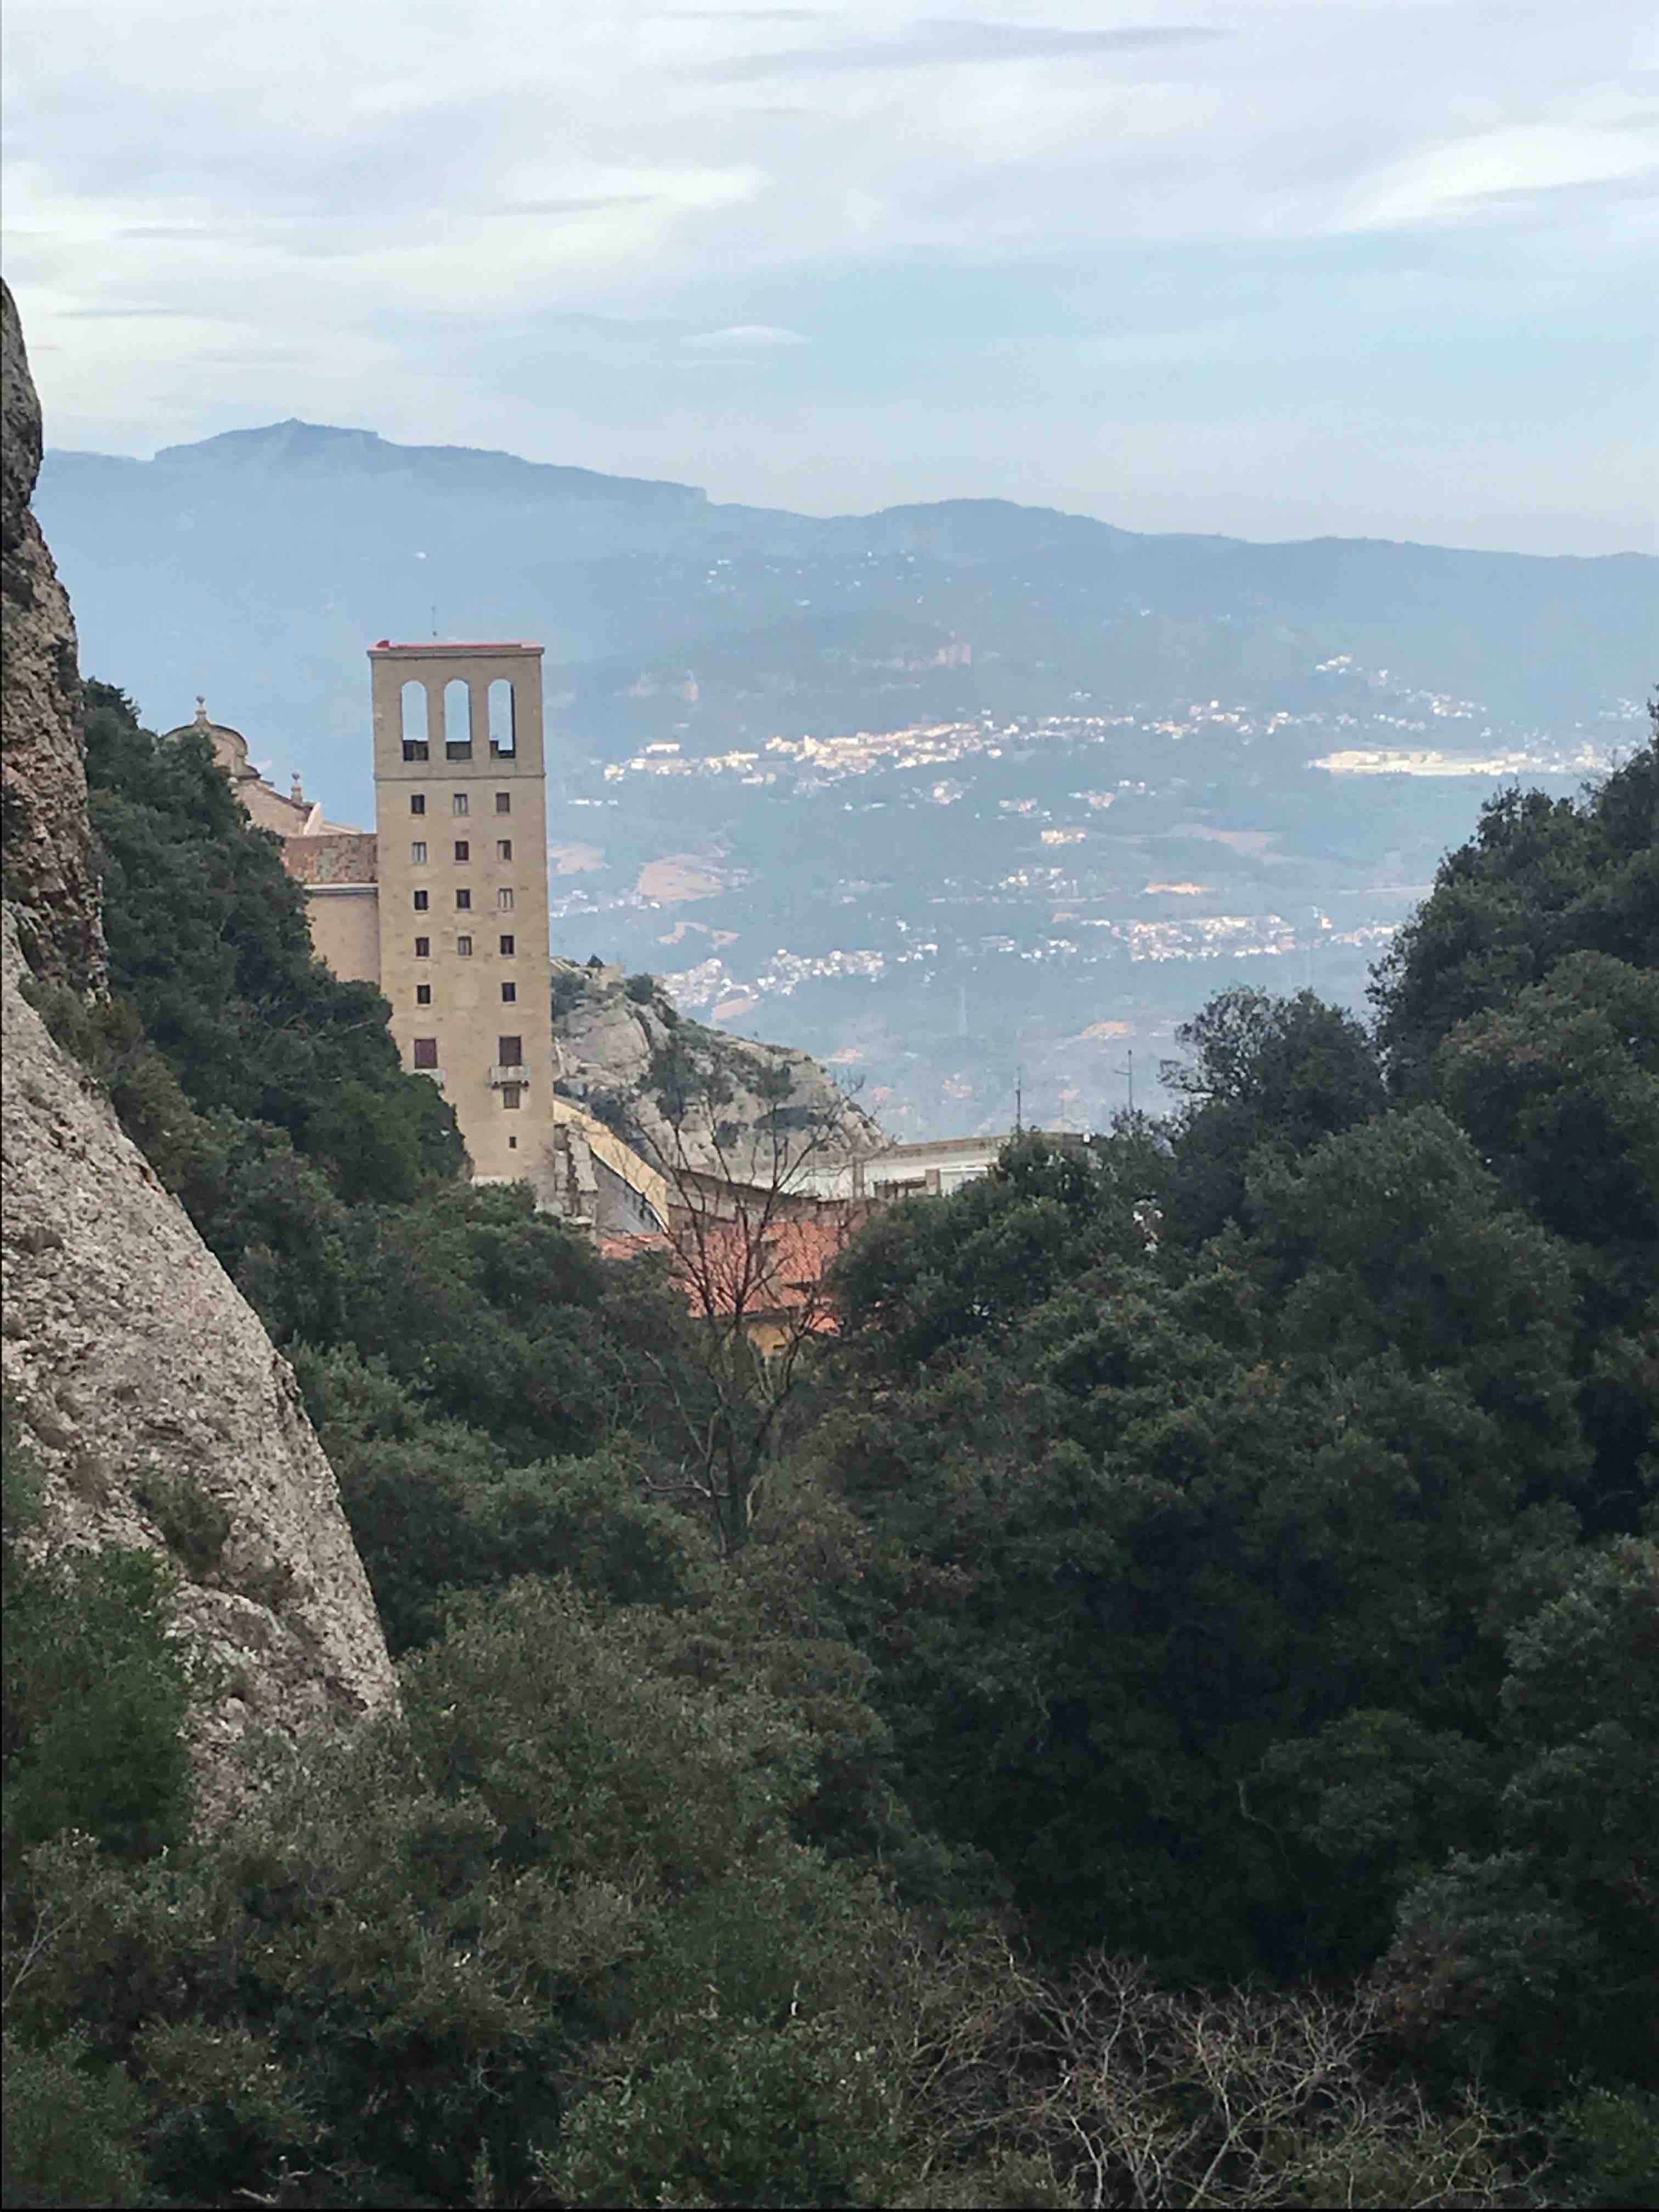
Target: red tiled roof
715, 1259
631, 1246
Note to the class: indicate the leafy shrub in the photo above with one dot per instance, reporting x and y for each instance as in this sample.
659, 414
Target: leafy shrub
96, 1696
747, 2117
194, 1525
72, 2128
1612, 2156
96, 1693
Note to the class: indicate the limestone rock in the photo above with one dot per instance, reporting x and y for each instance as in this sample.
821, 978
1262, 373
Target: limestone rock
49, 874
164, 1416
608, 1031
159, 1408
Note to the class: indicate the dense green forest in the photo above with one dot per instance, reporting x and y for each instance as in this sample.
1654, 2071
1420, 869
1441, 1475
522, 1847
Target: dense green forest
1183, 1729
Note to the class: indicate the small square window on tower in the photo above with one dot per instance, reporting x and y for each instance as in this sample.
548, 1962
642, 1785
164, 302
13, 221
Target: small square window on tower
463, 850
426, 1052
509, 995
424, 994
509, 947
422, 899
503, 802
463, 902
418, 802
503, 848
459, 802
463, 948
417, 853
504, 898
424, 948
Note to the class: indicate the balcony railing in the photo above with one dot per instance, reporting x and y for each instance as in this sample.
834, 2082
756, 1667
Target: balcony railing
501, 1078
433, 1075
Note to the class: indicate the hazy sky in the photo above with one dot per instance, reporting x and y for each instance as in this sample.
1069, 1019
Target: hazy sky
1276, 267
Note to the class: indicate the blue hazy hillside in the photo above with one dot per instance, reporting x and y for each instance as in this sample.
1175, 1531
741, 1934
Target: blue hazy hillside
1137, 767
256, 566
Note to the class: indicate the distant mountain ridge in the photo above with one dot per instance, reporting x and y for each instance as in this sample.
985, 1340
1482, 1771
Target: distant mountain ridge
300, 448
255, 565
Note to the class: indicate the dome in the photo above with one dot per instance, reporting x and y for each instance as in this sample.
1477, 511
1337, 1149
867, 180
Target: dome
229, 746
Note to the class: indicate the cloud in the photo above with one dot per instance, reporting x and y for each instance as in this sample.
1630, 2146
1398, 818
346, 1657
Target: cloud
128, 314
1596, 191
591, 204
1500, 168
948, 41
924, 251
1541, 204
745, 338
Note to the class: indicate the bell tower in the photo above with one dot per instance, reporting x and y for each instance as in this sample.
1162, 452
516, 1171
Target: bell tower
460, 795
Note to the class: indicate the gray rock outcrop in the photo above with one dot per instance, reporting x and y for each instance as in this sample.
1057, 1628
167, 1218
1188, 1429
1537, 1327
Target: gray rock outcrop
159, 1411
611, 1035
49, 874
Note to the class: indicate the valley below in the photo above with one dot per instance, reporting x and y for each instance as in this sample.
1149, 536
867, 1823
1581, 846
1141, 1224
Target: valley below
963, 800
950, 911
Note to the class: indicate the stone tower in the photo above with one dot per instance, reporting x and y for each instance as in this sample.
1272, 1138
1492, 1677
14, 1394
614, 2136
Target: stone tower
460, 792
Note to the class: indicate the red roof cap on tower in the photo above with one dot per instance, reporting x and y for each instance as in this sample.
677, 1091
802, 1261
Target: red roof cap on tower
456, 645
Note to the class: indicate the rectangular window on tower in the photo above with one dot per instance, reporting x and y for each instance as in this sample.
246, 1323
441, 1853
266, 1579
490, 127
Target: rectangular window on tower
504, 898
509, 995
509, 947
463, 850
418, 802
503, 802
463, 948
463, 902
509, 1052
459, 802
417, 853
426, 1052
422, 902
424, 994
424, 948
510, 1095
503, 848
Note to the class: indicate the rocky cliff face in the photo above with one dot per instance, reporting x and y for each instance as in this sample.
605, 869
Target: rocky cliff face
611, 1035
162, 1413
48, 870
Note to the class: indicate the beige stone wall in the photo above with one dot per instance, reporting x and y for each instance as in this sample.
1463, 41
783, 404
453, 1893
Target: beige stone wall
267, 809
345, 929
339, 868
339, 856
466, 1016
648, 1184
